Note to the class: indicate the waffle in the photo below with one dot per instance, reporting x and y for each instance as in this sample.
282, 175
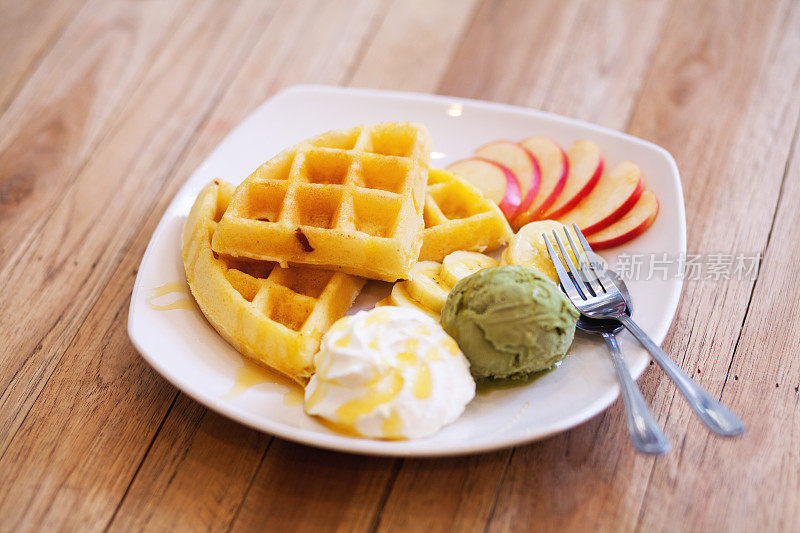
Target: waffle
348, 200
458, 217
274, 315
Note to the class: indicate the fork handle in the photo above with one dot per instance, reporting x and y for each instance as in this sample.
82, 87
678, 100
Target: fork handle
713, 414
643, 429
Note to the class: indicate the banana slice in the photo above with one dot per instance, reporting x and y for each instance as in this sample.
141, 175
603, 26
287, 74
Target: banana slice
459, 265
425, 286
527, 247
400, 297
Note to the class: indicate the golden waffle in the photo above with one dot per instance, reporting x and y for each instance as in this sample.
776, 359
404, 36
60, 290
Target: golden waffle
458, 217
274, 315
349, 200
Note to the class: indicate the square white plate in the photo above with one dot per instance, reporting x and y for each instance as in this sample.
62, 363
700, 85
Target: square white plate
188, 352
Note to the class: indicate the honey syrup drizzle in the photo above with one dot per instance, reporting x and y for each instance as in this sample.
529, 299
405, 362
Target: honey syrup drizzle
168, 288
382, 388
251, 374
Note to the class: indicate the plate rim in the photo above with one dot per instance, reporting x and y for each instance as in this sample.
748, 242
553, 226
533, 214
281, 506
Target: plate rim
395, 448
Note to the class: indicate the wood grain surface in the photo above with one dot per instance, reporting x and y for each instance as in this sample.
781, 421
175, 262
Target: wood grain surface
107, 106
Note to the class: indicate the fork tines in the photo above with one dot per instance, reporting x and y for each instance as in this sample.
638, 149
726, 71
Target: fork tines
584, 280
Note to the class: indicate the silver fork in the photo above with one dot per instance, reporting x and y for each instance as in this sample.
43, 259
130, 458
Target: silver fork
593, 292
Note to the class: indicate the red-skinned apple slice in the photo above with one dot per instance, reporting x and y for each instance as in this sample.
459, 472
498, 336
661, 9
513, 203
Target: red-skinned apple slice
585, 169
495, 181
553, 166
634, 223
519, 161
614, 195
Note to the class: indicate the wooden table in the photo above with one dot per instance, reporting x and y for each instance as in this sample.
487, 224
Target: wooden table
106, 106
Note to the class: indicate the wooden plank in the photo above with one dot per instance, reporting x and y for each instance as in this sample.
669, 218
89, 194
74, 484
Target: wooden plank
762, 471
67, 105
67, 235
510, 49
27, 31
444, 494
759, 472
720, 143
67, 468
195, 475
305, 489
602, 68
595, 33
343, 28
413, 45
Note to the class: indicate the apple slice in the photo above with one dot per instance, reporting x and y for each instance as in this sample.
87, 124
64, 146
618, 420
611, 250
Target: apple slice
519, 161
615, 194
495, 181
634, 223
553, 166
585, 168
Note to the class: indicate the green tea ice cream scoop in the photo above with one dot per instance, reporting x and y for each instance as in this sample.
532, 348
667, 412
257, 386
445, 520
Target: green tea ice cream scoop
509, 321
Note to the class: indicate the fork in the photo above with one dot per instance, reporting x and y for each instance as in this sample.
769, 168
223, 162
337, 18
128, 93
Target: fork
594, 293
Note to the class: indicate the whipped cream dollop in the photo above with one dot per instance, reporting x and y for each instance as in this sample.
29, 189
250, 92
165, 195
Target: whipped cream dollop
390, 373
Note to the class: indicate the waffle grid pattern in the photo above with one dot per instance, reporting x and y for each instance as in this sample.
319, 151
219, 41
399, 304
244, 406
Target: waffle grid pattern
274, 315
458, 217
287, 296
348, 200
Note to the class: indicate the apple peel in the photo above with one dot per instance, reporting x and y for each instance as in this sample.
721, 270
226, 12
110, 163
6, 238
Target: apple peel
520, 162
634, 223
495, 181
585, 170
614, 195
554, 167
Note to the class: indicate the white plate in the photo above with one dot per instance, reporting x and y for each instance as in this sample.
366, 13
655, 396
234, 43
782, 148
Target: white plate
186, 350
